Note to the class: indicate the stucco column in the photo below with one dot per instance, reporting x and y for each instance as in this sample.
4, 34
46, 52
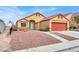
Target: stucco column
68, 26
27, 25
50, 25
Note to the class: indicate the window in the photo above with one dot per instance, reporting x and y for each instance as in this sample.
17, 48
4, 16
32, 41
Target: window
23, 24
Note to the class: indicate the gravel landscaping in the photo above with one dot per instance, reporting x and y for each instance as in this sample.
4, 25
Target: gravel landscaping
24, 40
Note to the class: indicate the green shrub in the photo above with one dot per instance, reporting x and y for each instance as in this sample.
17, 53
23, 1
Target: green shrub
45, 29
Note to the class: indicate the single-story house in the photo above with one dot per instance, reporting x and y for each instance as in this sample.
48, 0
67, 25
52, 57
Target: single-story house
72, 20
38, 21
29, 22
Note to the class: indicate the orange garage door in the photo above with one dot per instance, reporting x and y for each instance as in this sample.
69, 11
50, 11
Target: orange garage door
59, 26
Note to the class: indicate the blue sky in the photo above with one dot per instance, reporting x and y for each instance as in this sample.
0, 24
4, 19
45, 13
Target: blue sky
14, 13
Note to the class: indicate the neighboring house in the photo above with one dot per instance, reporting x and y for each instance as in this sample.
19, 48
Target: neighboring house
72, 20
39, 22
2, 26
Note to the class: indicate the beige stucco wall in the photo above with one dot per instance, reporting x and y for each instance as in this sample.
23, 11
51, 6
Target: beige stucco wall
19, 24
37, 26
35, 17
56, 19
44, 25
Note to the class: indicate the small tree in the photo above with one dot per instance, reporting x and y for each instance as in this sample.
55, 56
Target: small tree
77, 19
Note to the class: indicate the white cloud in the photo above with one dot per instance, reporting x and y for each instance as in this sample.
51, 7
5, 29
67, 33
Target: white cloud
10, 13
45, 10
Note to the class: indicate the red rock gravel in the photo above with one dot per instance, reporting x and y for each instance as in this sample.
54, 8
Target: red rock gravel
22, 40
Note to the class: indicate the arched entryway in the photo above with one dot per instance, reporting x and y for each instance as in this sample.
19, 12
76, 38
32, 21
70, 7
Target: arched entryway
31, 24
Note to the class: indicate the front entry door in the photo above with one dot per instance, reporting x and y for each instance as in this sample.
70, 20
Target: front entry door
32, 25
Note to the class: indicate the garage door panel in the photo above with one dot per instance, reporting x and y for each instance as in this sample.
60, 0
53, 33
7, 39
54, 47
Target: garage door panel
59, 26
